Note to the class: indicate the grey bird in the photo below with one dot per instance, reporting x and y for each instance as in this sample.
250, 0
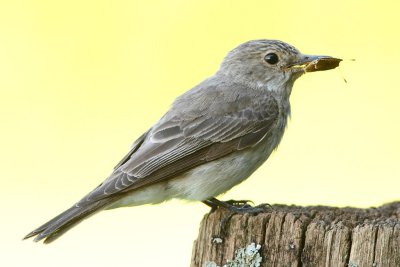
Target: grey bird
212, 138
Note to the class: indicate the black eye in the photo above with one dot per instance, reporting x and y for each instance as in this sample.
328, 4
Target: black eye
271, 58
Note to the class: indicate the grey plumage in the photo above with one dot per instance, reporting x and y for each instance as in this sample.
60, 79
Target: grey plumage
238, 115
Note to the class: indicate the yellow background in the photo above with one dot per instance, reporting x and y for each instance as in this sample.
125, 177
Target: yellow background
80, 80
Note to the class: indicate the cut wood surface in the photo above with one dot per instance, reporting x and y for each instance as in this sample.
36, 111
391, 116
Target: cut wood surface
302, 236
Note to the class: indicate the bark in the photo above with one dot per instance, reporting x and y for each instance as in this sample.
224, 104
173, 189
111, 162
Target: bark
302, 236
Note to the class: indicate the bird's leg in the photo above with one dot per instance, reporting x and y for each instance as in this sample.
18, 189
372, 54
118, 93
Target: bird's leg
211, 204
235, 206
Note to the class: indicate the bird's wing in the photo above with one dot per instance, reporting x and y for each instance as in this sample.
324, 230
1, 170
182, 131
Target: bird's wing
181, 142
135, 146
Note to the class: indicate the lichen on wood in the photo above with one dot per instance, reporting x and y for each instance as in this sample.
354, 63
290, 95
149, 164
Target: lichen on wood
244, 257
303, 236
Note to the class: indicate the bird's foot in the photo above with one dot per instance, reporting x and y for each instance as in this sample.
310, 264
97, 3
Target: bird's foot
234, 207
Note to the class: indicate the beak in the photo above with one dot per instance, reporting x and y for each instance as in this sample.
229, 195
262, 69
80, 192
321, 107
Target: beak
310, 63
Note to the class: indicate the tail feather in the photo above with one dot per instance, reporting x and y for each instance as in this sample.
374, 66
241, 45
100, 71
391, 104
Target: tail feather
60, 224
44, 226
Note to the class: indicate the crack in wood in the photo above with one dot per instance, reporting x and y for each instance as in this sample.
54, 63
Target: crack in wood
306, 236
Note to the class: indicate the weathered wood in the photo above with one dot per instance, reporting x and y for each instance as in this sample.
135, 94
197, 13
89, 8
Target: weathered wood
302, 236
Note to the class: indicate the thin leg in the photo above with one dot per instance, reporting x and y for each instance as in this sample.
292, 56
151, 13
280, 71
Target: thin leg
235, 206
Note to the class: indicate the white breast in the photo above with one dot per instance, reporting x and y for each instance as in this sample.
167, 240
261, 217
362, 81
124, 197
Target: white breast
217, 177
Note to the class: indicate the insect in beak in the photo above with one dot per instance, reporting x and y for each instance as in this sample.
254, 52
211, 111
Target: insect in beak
310, 63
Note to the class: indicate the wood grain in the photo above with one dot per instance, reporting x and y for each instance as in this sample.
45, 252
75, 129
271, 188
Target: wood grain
303, 236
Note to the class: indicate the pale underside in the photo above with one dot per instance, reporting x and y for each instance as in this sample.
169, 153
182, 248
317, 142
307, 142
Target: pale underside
202, 182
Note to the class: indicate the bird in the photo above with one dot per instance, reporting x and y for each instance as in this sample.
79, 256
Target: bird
212, 138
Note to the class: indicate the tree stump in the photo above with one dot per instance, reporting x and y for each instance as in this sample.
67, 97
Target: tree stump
300, 236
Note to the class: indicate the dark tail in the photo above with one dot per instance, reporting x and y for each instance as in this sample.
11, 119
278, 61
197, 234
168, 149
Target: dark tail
60, 224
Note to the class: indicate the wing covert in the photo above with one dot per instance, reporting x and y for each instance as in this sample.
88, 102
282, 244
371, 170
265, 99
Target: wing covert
178, 142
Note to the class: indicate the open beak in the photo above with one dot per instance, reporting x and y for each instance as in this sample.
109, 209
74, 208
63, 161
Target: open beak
310, 63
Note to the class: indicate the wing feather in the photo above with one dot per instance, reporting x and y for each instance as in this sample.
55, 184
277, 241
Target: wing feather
181, 142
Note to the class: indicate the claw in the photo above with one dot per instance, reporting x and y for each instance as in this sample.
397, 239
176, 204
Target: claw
234, 207
240, 203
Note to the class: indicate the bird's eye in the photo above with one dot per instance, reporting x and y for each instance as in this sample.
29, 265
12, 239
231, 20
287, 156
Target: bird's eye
271, 58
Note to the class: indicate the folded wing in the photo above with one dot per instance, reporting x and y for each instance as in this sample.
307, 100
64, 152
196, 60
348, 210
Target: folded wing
179, 143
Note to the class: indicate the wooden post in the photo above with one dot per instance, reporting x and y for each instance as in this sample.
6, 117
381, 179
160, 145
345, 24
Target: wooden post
300, 236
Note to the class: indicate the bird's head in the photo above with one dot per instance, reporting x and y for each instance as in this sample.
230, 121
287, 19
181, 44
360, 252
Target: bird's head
271, 64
